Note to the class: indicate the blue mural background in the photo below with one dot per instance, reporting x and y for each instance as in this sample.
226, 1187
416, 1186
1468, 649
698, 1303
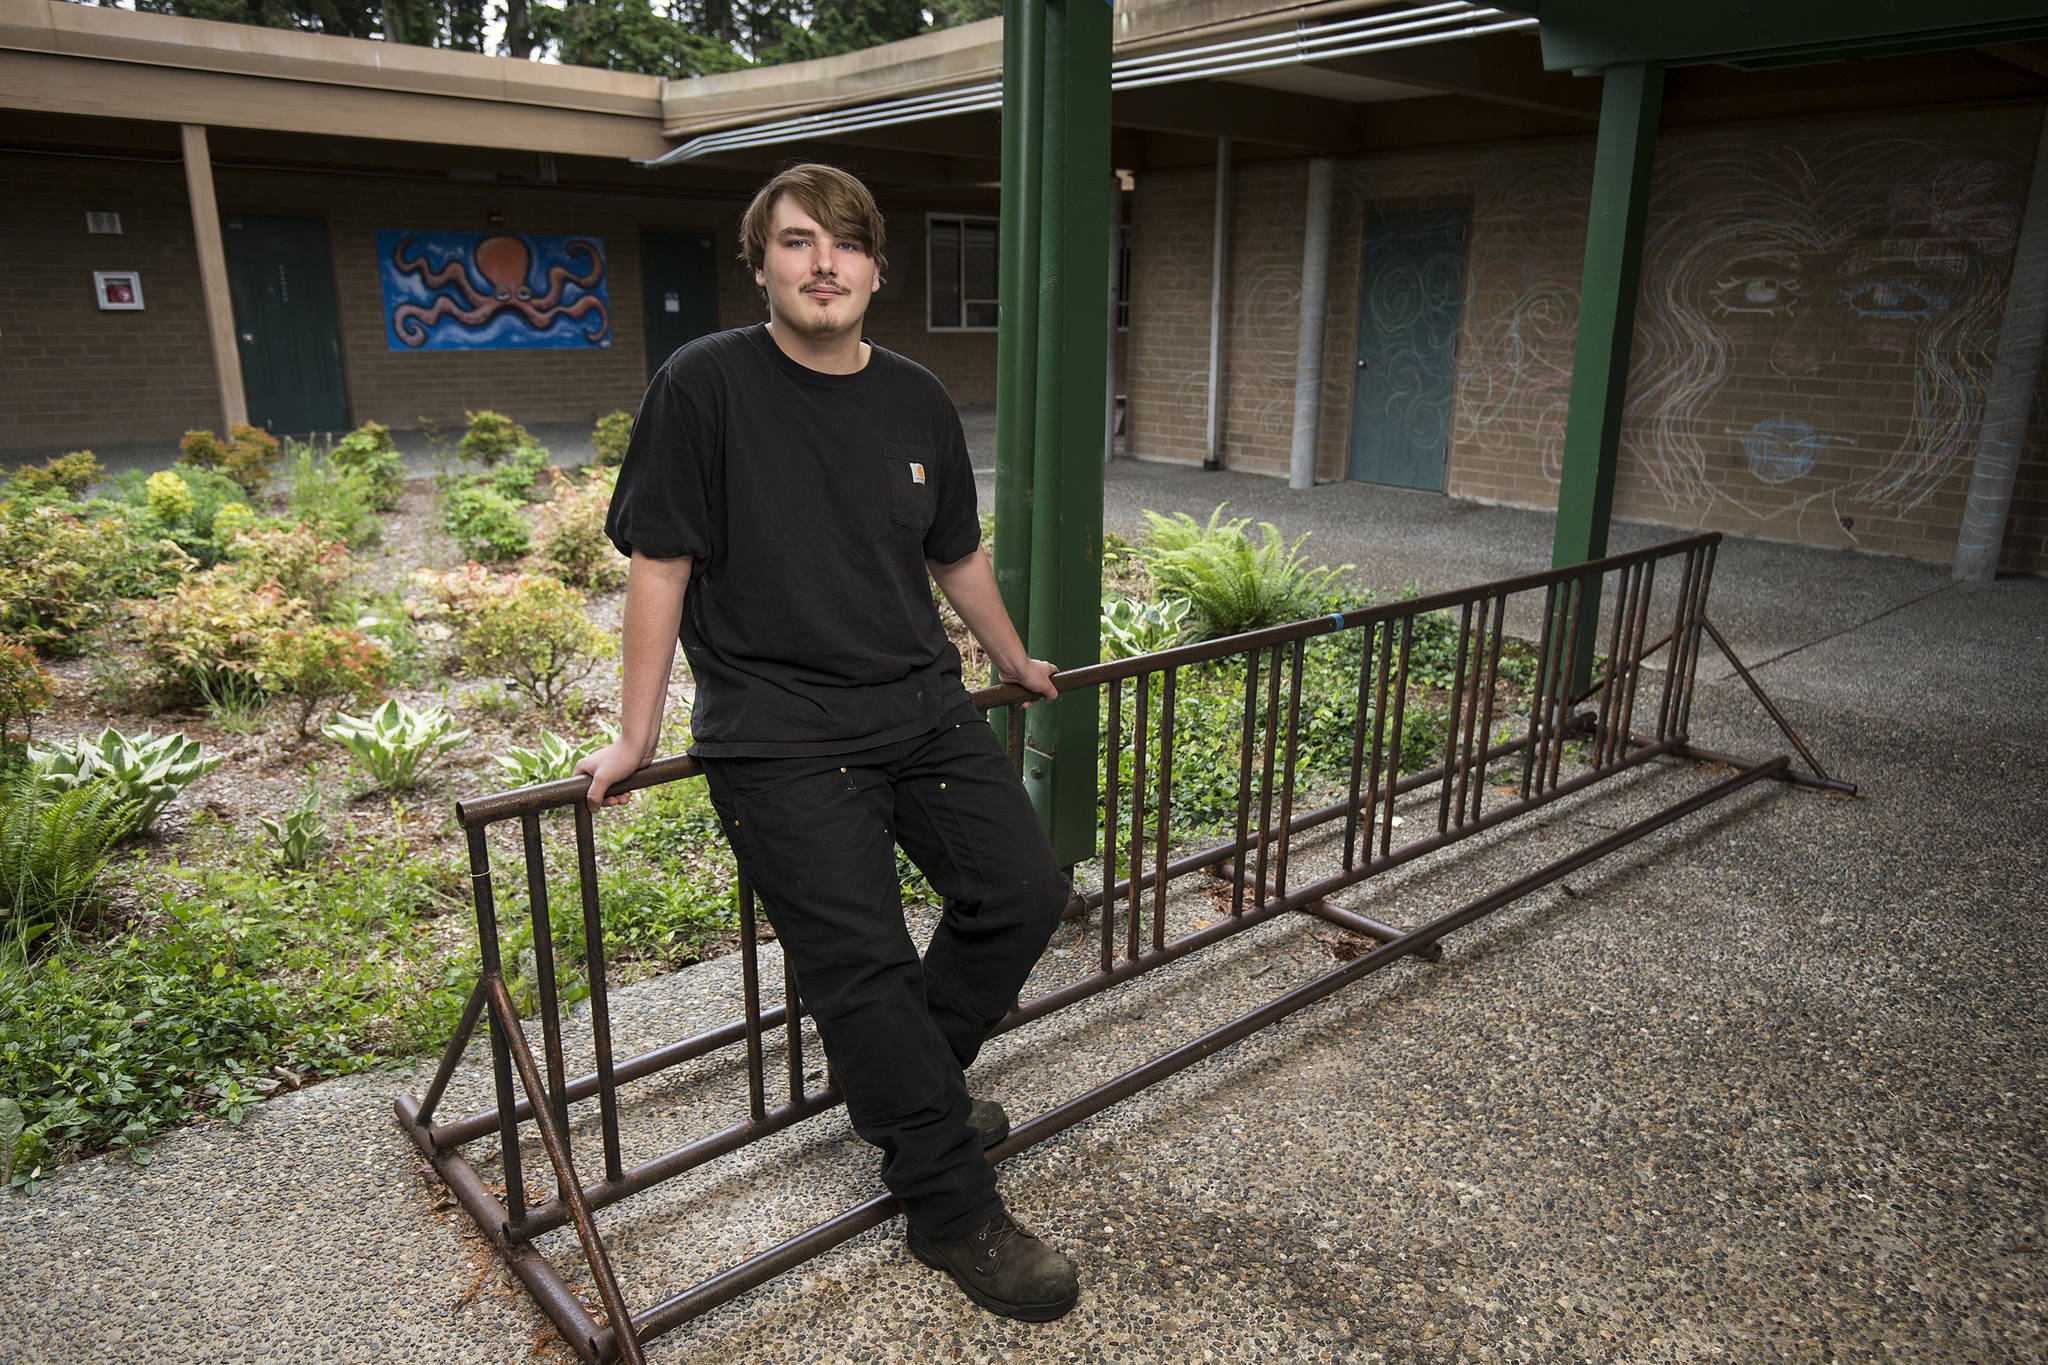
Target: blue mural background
492, 291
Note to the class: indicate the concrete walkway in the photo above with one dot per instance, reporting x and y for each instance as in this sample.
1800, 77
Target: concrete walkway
1768, 1086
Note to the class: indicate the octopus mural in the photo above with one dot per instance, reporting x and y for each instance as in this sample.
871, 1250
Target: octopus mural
472, 291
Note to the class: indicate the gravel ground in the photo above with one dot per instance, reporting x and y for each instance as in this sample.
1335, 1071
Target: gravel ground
1766, 1086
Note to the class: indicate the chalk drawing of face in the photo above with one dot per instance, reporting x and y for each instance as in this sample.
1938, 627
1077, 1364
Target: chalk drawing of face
1783, 287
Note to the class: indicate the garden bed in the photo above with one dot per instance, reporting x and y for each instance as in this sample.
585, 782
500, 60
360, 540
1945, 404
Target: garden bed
227, 953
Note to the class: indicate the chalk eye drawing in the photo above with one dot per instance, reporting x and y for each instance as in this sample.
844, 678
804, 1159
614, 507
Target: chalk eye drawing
1899, 299
1770, 295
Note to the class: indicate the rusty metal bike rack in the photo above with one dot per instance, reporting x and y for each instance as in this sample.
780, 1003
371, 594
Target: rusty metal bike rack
1498, 762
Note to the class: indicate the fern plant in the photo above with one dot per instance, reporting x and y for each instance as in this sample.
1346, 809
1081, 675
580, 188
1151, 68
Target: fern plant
54, 843
1232, 582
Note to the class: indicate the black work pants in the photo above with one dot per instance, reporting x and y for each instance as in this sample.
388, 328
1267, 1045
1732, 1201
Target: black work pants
817, 838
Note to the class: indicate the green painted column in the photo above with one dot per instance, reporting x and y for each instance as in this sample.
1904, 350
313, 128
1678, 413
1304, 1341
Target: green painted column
1050, 383
1630, 98
1066, 519
1017, 300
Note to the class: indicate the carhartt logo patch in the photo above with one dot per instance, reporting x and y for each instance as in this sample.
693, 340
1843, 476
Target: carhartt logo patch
916, 472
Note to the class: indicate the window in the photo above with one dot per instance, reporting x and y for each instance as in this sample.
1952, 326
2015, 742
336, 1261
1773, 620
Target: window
960, 273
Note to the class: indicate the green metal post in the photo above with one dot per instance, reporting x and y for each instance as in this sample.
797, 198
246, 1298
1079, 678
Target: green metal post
1630, 99
1017, 300
1066, 521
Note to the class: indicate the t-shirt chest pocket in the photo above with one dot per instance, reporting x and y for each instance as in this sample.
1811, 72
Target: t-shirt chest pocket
910, 471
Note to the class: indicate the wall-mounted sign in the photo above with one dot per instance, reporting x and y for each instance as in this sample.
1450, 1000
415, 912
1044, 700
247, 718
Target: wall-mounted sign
103, 222
119, 289
496, 291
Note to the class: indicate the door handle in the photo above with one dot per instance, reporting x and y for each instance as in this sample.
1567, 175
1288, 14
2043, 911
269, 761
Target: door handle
1365, 364
249, 339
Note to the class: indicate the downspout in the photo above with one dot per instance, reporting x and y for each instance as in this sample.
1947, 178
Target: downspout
1315, 305
1212, 457
2002, 437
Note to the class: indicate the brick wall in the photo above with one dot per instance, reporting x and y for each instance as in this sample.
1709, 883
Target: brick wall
73, 375
1819, 308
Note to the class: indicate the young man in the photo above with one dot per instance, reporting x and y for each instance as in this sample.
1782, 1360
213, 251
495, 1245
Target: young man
787, 490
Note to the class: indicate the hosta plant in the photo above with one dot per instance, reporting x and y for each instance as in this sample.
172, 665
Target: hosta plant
394, 743
1131, 627
302, 830
554, 758
144, 769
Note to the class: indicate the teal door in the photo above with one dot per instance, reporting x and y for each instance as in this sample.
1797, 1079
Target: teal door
679, 289
1411, 289
281, 278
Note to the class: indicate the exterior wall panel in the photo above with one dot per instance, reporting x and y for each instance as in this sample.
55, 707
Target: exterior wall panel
77, 376
1819, 311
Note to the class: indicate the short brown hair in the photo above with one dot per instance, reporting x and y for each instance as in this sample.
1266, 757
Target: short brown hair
835, 198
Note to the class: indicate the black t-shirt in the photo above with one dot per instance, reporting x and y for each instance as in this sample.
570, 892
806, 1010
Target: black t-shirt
809, 504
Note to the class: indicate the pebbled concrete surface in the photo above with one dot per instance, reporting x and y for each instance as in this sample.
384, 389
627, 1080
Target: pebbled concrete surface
1767, 1086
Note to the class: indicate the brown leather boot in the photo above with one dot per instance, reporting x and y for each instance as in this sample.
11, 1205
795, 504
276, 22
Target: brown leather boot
1004, 1269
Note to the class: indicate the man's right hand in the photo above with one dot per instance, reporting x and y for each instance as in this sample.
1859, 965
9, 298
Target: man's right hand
608, 767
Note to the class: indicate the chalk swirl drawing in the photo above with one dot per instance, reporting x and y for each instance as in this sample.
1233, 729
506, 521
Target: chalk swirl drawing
1412, 290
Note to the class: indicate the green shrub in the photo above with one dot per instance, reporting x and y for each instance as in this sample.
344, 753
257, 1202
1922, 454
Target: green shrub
247, 456
388, 619
370, 452
170, 497
146, 771
54, 843
461, 593
396, 744
538, 637
232, 520
65, 476
569, 532
203, 638
485, 523
334, 499
490, 437
197, 529
298, 560
25, 690
316, 663
62, 573
516, 476
614, 432
1234, 584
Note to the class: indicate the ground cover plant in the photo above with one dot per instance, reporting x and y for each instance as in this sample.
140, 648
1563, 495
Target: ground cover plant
235, 713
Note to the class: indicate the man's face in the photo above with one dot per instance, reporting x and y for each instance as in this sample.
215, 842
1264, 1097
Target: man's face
817, 285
